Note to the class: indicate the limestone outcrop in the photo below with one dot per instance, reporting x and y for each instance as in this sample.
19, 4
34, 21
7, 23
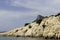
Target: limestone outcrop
48, 27
31, 30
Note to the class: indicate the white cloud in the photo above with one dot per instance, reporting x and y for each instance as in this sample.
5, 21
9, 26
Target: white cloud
36, 4
41, 6
16, 14
55, 2
12, 19
7, 14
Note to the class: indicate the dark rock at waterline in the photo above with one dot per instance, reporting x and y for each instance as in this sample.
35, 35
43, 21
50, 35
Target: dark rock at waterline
39, 19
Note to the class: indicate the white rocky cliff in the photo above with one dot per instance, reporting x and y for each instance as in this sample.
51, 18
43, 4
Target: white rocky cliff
48, 27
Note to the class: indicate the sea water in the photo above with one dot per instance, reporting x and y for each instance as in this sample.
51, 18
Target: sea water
24, 38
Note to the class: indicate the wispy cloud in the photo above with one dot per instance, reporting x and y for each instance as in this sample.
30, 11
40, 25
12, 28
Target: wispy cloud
16, 14
36, 4
47, 6
43, 7
5, 13
12, 19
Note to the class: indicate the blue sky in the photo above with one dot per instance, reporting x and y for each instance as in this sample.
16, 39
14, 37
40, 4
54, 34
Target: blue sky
14, 13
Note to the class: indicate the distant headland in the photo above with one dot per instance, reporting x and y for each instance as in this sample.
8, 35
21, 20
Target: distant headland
47, 27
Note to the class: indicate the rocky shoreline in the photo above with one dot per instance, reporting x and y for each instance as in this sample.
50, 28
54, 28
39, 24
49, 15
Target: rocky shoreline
47, 27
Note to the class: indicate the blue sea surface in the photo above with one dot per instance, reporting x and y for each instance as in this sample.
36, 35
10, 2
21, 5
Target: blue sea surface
24, 38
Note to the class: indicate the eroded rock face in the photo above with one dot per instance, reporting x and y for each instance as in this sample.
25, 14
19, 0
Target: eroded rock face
31, 30
52, 27
49, 27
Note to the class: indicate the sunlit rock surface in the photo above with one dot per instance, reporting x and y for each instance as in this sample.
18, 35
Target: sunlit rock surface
48, 27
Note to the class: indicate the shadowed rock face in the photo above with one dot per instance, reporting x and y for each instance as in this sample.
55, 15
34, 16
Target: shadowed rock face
57, 14
38, 19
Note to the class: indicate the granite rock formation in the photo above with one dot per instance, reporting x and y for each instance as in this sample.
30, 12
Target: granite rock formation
47, 27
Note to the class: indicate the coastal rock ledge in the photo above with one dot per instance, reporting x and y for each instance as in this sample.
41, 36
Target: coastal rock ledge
47, 27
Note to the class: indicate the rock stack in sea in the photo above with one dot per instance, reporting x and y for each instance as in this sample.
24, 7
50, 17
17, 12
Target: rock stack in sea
47, 27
